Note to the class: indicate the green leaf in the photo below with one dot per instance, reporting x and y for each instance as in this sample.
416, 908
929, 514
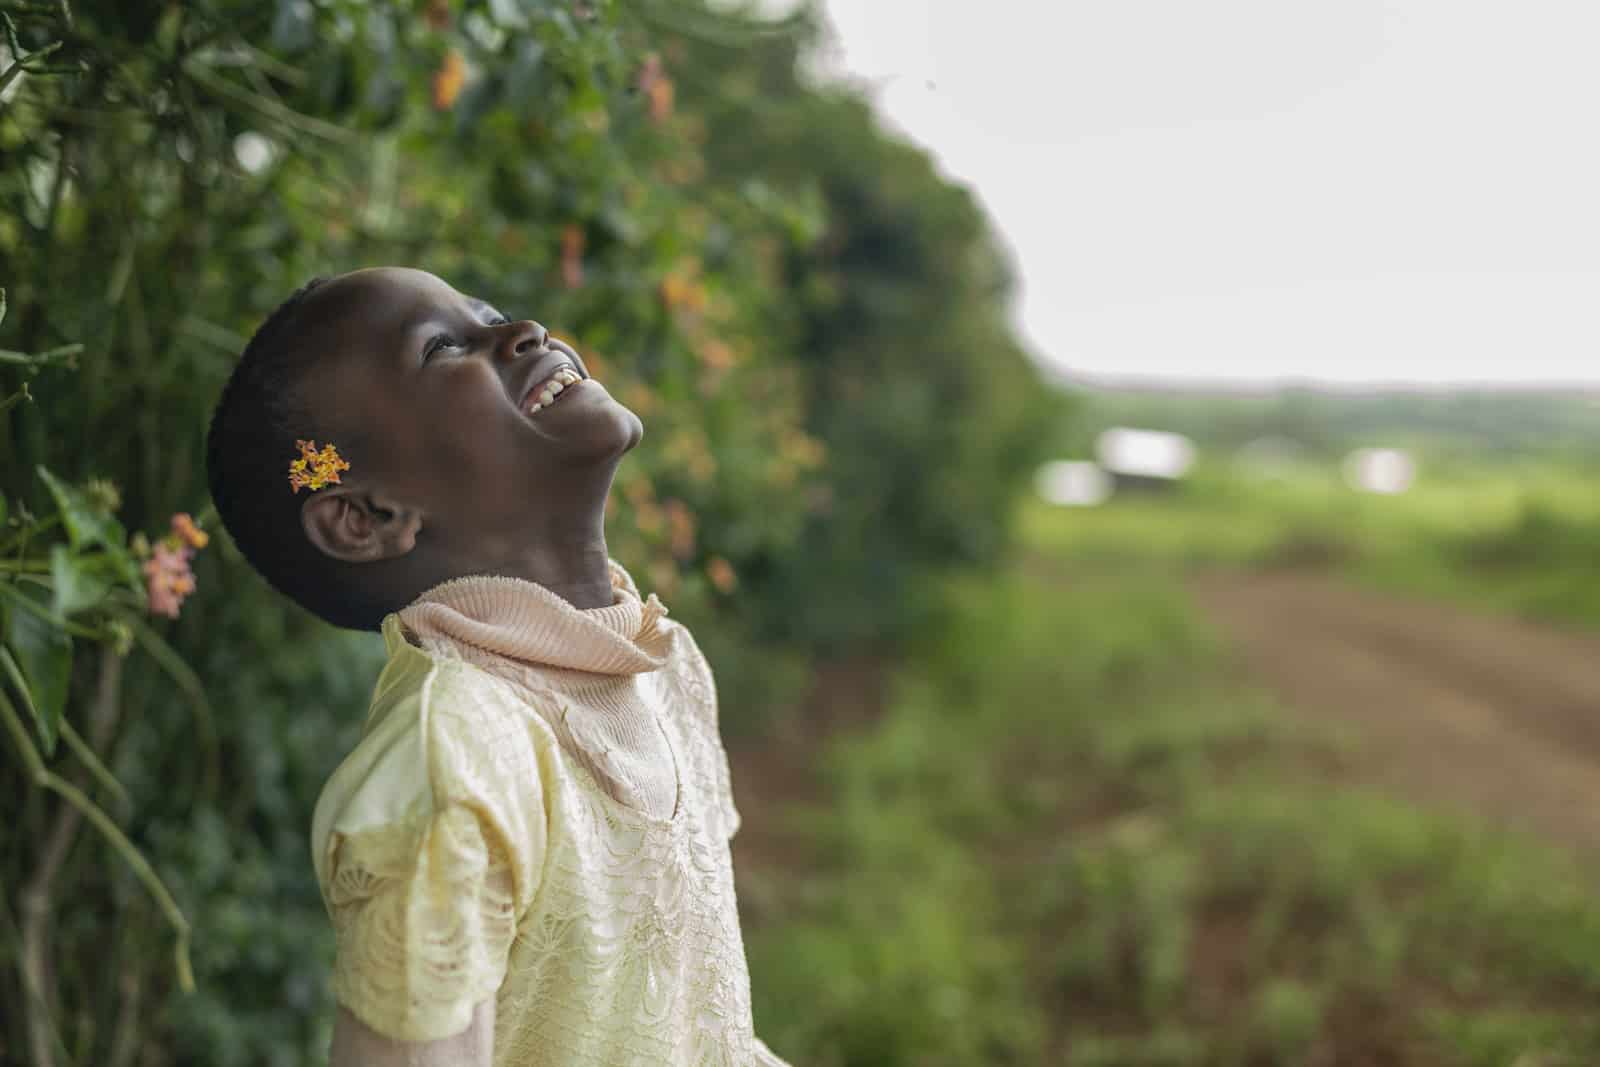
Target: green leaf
508, 14
167, 30
524, 70
473, 103
292, 26
75, 581
87, 523
41, 669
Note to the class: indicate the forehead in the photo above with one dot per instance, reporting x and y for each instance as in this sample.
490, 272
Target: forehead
362, 333
383, 298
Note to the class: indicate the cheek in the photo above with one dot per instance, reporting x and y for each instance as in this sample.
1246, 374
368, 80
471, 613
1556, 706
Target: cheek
471, 424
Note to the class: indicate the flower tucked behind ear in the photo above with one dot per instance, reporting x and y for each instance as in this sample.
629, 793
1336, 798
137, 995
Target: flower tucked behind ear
315, 469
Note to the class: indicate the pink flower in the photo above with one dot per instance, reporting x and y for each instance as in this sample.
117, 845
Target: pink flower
168, 579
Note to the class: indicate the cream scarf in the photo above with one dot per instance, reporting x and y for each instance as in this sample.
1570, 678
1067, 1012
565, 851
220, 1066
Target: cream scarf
585, 671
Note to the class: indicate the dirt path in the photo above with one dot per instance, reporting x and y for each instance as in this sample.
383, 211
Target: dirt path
1493, 715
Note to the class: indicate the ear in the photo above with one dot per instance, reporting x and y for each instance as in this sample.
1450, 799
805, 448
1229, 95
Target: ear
354, 525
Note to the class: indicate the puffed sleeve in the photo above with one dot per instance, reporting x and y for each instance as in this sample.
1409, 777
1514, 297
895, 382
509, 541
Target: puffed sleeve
430, 850
423, 917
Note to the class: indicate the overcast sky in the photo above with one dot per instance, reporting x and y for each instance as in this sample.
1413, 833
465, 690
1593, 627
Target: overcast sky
1346, 190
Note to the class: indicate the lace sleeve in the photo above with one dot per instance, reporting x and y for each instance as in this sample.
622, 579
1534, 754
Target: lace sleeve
356, 1045
730, 813
424, 915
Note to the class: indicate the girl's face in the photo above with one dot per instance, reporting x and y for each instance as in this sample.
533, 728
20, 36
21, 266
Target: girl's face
437, 392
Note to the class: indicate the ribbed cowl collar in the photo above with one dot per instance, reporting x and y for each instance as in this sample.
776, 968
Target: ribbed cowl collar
517, 619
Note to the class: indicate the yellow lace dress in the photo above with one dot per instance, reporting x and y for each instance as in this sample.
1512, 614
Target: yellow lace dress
539, 811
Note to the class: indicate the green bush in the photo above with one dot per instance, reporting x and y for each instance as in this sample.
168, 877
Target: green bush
784, 293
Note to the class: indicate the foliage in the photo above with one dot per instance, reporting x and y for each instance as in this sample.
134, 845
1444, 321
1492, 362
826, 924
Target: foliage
790, 299
71, 577
927, 406
1153, 865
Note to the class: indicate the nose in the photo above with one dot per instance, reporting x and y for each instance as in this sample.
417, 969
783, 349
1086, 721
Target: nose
523, 337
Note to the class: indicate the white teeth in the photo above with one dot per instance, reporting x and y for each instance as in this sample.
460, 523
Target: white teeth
562, 380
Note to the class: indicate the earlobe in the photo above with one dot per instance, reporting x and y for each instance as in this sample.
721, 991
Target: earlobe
351, 525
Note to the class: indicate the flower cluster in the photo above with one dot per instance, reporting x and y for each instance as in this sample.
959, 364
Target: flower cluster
657, 88
315, 469
168, 579
448, 79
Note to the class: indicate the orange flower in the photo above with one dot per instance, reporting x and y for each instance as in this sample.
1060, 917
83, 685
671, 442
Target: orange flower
680, 528
184, 529
572, 255
315, 469
718, 355
448, 80
657, 87
683, 292
720, 571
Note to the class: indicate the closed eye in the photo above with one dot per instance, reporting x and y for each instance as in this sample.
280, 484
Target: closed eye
438, 343
444, 341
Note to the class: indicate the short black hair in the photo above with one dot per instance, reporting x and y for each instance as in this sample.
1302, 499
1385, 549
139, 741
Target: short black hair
261, 413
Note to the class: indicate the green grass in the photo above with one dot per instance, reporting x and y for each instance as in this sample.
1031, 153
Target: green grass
1080, 835
1520, 540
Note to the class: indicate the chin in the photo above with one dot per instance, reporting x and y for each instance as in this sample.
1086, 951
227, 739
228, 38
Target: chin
613, 436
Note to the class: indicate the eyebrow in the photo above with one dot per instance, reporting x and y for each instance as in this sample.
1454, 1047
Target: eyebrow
483, 305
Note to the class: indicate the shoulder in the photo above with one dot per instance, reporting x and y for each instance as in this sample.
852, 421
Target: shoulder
687, 675
383, 780
440, 734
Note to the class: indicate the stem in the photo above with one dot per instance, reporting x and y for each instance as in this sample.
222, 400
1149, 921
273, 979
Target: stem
35, 899
181, 673
38, 917
30, 957
101, 772
209, 78
60, 353
125, 1042
20, 65
15, 398
38, 527
32, 608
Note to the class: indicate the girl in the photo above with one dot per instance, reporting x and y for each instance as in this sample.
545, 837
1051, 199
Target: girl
526, 856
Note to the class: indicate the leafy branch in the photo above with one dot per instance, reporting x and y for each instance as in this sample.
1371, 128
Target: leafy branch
76, 575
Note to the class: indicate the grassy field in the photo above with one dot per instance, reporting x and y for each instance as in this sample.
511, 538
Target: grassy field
1517, 538
1080, 834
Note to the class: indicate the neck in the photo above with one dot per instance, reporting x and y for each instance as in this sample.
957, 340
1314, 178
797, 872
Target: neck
563, 550
573, 567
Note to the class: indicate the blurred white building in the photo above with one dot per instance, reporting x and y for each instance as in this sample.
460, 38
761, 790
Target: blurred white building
1380, 470
1144, 457
1073, 483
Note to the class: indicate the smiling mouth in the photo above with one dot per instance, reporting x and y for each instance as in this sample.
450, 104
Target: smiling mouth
551, 389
